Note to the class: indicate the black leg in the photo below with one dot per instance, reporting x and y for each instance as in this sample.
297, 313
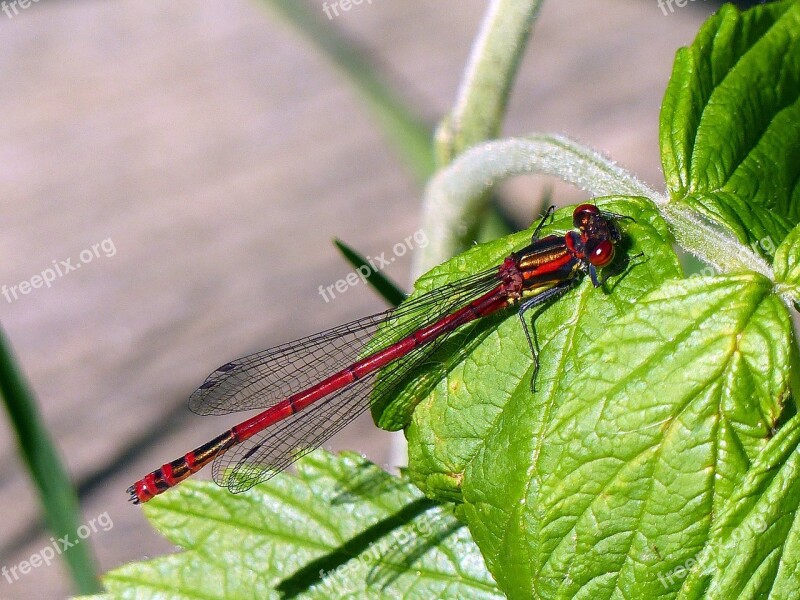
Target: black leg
536, 231
593, 275
617, 217
540, 299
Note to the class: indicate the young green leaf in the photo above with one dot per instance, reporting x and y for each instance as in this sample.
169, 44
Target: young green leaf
730, 123
341, 528
755, 551
593, 489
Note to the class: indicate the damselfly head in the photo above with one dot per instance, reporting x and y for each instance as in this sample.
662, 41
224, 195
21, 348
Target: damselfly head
598, 234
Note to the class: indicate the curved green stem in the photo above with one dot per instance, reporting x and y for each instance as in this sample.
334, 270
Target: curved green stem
478, 112
482, 99
455, 191
709, 243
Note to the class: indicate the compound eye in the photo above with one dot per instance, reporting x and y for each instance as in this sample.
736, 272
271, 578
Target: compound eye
602, 254
582, 214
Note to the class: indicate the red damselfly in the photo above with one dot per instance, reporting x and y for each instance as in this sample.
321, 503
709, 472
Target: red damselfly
309, 389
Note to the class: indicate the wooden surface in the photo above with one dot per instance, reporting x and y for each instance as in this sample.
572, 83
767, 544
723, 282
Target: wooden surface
220, 154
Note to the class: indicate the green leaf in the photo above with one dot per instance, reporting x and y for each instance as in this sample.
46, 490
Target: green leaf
730, 123
617, 471
756, 547
341, 528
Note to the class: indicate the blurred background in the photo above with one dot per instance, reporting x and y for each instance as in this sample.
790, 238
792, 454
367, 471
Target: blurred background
196, 159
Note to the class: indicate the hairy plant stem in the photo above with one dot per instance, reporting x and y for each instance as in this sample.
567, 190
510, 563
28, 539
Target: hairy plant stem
456, 190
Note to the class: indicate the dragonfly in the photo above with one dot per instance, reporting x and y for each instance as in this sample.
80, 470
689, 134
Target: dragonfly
309, 389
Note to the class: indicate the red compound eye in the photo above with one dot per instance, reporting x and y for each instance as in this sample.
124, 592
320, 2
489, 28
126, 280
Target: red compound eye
582, 214
602, 254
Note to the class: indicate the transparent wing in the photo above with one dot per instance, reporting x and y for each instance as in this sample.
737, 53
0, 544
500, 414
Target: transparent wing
271, 451
275, 448
261, 380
